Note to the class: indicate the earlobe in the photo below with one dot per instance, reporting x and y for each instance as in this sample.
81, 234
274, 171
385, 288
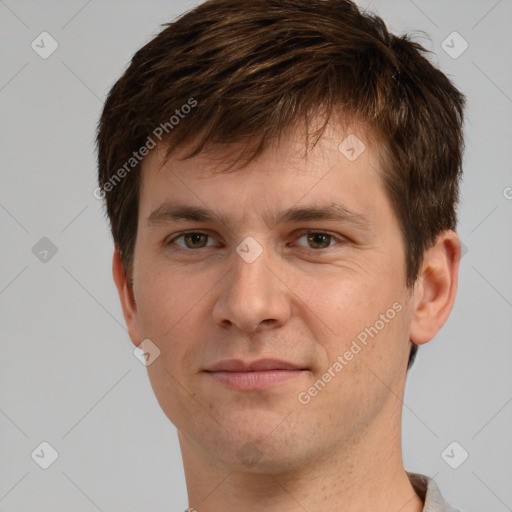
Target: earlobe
126, 297
436, 287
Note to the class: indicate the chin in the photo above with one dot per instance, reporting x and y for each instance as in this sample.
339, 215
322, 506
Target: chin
269, 450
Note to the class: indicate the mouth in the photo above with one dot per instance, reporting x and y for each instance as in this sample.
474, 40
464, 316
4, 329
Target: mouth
261, 374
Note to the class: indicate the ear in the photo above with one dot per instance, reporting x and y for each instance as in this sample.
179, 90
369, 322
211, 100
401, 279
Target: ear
126, 296
436, 287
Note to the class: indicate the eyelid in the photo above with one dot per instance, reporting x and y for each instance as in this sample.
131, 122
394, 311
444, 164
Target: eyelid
172, 238
338, 238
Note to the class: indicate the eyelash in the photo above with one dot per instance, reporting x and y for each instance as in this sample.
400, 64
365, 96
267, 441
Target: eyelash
340, 240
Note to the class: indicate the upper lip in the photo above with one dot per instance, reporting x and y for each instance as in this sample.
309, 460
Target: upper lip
237, 365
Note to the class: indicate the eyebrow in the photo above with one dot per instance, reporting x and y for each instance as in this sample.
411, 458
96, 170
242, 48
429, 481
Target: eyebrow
169, 212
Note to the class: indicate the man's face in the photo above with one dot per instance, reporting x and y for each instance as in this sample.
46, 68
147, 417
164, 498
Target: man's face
299, 289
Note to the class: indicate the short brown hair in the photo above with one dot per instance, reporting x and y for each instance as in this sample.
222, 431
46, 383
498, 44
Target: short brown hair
256, 67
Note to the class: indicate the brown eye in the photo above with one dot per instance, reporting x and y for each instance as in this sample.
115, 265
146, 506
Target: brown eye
195, 240
192, 240
318, 240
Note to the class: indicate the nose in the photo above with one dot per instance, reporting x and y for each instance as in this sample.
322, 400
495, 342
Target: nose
253, 296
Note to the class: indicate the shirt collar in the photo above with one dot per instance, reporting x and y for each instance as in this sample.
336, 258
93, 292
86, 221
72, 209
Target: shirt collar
427, 489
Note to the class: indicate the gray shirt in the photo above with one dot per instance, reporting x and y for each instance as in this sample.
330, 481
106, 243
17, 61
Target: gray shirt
428, 491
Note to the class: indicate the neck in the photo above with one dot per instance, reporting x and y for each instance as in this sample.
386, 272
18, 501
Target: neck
365, 474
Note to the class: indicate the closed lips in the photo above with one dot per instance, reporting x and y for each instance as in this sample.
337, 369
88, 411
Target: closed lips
237, 365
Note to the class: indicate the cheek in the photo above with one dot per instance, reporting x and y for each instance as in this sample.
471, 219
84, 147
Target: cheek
343, 298
369, 311
174, 305
166, 299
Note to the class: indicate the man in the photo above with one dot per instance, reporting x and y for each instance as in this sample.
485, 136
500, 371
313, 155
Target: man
281, 178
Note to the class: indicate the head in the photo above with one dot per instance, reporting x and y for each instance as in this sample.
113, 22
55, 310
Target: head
243, 109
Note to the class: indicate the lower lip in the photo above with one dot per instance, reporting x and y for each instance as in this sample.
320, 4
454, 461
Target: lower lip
254, 380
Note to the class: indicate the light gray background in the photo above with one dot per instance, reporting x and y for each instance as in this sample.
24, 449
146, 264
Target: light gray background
68, 375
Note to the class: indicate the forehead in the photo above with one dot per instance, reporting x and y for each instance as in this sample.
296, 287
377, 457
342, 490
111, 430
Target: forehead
342, 164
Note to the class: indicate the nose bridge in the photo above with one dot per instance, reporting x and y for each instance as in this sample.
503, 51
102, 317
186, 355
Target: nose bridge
249, 269
251, 293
